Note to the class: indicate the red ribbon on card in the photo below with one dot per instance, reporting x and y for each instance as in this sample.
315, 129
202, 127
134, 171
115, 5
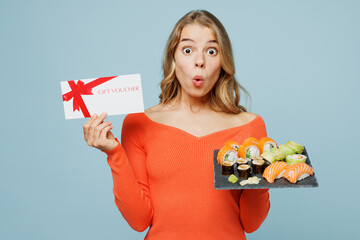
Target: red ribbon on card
78, 89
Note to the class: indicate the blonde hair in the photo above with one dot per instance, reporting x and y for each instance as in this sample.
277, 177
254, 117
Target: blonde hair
225, 95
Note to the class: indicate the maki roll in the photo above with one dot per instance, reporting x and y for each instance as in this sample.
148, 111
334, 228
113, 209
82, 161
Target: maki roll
244, 171
259, 158
258, 166
241, 161
266, 144
295, 158
294, 145
252, 140
269, 156
226, 158
248, 150
278, 154
256, 158
227, 168
227, 153
286, 150
233, 144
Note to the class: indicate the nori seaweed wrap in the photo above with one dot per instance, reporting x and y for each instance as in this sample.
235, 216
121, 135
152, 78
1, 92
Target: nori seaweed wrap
258, 166
227, 168
244, 171
241, 161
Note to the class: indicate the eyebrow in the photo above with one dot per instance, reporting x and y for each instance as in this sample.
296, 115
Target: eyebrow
189, 39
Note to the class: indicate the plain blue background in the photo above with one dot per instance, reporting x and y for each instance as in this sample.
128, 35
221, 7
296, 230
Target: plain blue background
300, 61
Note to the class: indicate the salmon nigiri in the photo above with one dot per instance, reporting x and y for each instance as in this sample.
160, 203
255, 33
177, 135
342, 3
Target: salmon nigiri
275, 170
297, 172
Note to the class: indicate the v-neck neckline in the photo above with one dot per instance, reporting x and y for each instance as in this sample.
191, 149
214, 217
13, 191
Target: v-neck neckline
200, 137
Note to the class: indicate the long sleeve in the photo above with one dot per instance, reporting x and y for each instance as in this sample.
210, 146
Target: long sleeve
254, 203
254, 207
131, 188
164, 179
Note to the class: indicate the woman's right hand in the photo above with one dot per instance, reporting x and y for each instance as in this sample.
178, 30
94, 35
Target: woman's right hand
97, 133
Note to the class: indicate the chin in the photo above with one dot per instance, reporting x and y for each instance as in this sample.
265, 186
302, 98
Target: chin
198, 94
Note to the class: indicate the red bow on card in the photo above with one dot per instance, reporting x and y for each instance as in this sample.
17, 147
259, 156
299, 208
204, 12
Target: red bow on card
78, 89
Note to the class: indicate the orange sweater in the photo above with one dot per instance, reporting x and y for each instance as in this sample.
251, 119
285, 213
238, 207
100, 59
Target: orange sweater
164, 178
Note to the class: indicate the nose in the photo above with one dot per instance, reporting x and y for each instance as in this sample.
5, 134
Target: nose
200, 61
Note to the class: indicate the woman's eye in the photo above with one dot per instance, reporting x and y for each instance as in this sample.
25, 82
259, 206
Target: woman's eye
187, 50
212, 51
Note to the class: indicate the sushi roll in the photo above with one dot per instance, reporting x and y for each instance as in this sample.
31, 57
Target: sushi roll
295, 158
256, 157
244, 171
259, 158
248, 150
227, 168
266, 144
266, 164
294, 145
233, 144
274, 171
297, 172
252, 140
269, 157
278, 154
258, 166
241, 161
227, 153
287, 150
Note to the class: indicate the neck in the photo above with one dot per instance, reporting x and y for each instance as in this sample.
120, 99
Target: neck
187, 103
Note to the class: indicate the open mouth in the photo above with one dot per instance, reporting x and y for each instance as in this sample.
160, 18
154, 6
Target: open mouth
197, 80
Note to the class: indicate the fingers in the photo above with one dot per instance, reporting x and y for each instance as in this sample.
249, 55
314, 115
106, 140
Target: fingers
87, 125
104, 133
95, 137
110, 135
99, 119
93, 127
110, 141
97, 133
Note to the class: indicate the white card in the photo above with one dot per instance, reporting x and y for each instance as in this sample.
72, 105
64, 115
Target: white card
114, 95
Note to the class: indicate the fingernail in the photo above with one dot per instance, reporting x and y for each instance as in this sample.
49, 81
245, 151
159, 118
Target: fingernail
103, 114
94, 115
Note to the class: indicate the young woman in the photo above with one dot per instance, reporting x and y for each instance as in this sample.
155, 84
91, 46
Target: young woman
163, 169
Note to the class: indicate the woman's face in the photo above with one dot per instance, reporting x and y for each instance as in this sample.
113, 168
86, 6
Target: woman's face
197, 60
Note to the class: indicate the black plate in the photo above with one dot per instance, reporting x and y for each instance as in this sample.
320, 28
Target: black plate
221, 181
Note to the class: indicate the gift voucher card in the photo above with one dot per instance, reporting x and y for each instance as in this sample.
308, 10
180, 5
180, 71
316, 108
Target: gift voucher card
114, 95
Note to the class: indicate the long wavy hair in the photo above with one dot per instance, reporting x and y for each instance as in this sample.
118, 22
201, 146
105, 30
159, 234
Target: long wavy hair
225, 95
